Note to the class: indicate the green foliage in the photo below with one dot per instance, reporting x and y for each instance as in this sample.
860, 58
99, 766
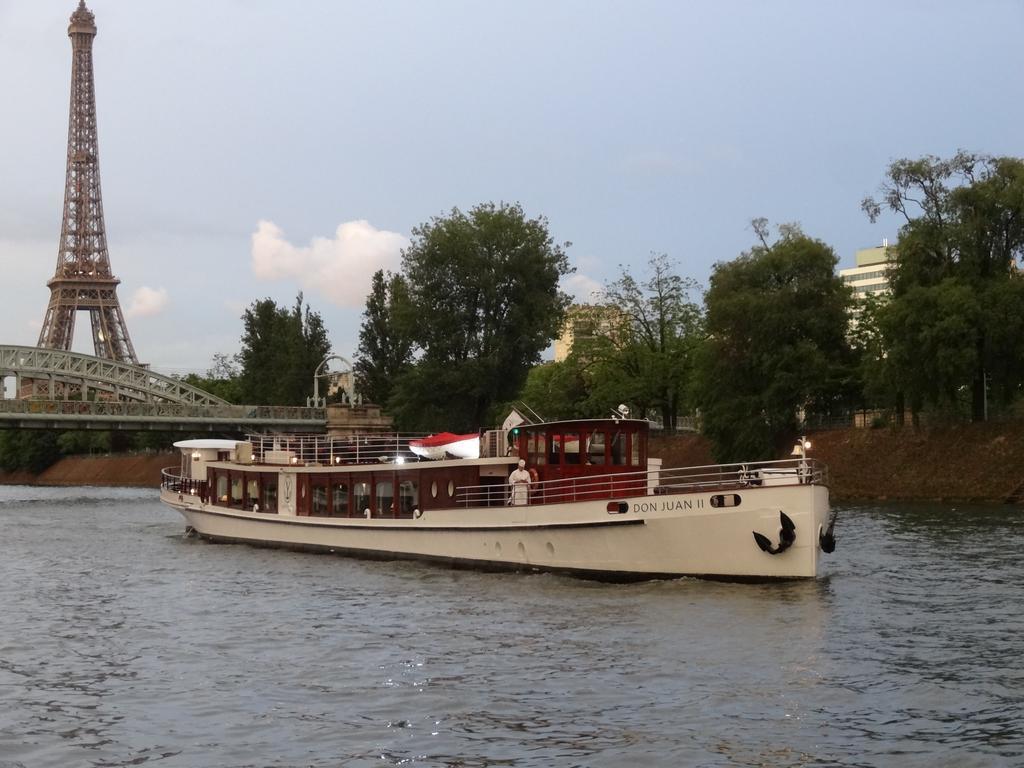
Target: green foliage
84, 442
29, 449
385, 338
954, 321
555, 391
776, 323
647, 354
483, 289
281, 349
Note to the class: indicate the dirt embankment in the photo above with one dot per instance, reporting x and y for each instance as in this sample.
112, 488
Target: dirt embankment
971, 462
968, 462
142, 470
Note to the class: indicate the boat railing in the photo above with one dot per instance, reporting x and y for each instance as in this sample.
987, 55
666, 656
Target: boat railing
327, 450
368, 448
171, 481
652, 482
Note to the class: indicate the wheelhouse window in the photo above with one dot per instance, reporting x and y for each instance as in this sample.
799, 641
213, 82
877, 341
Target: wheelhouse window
539, 456
595, 448
555, 452
618, 448
571, 451
252, 490
635, 449
222, 489
236, 491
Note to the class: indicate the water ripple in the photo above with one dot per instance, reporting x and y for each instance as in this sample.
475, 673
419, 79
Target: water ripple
123, 643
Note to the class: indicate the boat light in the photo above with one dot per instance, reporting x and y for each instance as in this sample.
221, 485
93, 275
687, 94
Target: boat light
196, 455
400, 460
807, 445
295, 459
337, 459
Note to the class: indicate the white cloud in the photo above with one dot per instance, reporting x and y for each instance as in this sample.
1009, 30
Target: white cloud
338, 268
147, 302
584, 289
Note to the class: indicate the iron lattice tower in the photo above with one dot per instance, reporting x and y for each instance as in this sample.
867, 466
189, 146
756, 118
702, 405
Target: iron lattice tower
83, 280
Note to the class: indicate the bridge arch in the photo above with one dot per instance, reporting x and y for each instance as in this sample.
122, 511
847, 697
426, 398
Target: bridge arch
48, 373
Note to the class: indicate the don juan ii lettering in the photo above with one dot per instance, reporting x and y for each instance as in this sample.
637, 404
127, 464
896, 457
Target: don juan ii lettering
668, 506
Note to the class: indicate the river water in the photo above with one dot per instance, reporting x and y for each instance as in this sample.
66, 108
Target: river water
123, 643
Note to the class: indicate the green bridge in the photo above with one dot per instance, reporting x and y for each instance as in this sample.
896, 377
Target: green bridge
66, 390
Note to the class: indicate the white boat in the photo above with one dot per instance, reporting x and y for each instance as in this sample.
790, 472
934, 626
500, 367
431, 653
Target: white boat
597, 505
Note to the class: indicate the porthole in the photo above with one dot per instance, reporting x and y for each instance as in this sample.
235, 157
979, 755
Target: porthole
451, 488
726, 500
433, 490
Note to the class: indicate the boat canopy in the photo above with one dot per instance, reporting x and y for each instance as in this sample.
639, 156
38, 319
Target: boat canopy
208, 443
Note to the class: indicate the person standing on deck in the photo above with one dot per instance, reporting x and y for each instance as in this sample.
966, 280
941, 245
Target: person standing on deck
519, 481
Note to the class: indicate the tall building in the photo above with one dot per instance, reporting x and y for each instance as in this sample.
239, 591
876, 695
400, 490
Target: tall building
871, 275
586, 321
83, 280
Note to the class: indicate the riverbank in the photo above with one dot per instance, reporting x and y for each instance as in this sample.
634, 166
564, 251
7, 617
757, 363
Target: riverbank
128, 470
969, 462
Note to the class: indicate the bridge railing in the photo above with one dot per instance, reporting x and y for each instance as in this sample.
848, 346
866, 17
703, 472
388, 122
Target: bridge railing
130, 409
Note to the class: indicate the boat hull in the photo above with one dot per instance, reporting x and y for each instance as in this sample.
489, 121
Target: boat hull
651, 536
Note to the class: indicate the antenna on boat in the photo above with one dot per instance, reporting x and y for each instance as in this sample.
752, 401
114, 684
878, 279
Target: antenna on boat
535, 418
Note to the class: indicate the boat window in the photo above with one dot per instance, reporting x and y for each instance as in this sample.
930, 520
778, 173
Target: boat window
540, 457
236, 491
451, 488
320, 500
635, 443
408, 497
571, 441
555, 451
222, 489
385, 498
269, 496
433, 489
253, 490
595, 448
618, 446
361, 497
339, 502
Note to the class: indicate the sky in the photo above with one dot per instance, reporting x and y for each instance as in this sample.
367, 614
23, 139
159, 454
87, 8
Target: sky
257, 149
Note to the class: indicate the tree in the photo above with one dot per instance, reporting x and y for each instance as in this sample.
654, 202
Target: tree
222, 378
30, 449
953, 320
385, 338
281, 350
483, 288
776, 324
652, 341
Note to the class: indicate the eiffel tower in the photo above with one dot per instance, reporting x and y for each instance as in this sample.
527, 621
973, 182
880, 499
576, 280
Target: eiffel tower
83, 280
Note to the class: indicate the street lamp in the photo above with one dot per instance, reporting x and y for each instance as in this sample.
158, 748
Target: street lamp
321, 372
